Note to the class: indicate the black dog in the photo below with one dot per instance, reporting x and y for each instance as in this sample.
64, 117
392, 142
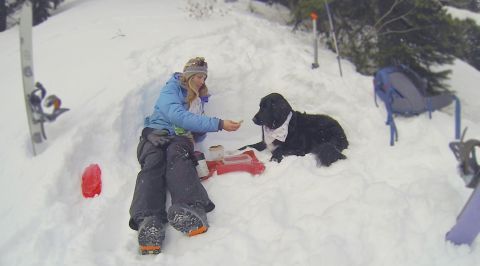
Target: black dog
307, 133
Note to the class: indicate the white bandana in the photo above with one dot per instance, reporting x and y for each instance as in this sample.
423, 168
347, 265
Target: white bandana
279, 133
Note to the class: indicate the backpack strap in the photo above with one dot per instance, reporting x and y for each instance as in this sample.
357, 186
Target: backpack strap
458, 115
390, 121
429, 107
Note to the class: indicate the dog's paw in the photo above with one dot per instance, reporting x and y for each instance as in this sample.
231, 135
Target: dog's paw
276, 158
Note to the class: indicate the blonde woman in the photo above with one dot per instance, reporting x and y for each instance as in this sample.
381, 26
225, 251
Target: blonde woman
165, 156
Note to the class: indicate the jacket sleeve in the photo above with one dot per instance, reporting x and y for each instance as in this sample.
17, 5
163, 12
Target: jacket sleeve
171, 105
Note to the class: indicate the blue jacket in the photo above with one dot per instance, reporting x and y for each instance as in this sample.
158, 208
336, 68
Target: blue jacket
171, 109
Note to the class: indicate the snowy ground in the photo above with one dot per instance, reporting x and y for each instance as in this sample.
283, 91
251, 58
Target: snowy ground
107, 59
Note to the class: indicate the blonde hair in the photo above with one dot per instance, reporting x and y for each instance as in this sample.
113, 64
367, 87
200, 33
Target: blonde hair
191, 92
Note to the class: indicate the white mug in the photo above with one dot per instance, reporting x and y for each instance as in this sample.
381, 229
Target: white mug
216, 152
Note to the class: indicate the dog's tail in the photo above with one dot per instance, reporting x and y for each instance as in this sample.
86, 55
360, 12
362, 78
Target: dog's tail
327, 153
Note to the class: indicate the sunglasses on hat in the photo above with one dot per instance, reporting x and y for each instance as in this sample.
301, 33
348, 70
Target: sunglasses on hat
198, 61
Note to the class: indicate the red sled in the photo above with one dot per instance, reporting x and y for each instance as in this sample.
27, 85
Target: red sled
92, 181
244, 162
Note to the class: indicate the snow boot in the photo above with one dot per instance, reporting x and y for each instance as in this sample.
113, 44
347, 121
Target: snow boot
151, 234
190, 220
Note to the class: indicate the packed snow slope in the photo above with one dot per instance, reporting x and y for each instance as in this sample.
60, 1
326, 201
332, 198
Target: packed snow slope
107, 60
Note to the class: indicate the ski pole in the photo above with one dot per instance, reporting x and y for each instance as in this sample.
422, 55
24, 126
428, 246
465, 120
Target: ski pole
332, 30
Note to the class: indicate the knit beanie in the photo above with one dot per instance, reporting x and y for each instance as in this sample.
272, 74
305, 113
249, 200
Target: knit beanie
194, 66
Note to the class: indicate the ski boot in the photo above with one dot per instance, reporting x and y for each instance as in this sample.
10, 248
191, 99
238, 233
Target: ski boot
151, 234
190, 220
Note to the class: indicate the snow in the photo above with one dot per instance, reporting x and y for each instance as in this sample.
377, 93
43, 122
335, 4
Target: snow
462, 13
107, 59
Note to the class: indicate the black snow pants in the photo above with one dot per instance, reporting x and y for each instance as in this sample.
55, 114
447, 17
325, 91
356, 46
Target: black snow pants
167, 166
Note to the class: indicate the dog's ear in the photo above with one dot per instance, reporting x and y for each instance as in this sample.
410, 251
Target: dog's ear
283, 105
281, 109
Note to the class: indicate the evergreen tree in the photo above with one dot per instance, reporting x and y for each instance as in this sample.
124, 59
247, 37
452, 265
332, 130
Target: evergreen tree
416, 33
3, 15
376, 33
355, 29
474, 5
41, 9
468, 48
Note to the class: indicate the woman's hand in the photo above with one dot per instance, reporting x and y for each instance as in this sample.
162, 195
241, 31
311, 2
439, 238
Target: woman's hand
230, 125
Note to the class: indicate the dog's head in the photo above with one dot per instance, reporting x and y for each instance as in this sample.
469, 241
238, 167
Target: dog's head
274, 110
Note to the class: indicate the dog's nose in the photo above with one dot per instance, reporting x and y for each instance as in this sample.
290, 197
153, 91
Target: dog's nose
256, 121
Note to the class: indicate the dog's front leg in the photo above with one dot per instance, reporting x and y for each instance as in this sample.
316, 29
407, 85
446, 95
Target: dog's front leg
260, 146
277, 155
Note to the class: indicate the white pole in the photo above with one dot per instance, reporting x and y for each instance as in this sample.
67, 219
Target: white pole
26, 55
314, 17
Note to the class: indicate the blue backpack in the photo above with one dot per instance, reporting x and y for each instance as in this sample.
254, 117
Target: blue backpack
405, 93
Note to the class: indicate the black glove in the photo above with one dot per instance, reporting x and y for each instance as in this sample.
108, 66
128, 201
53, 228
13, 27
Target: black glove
159, 137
